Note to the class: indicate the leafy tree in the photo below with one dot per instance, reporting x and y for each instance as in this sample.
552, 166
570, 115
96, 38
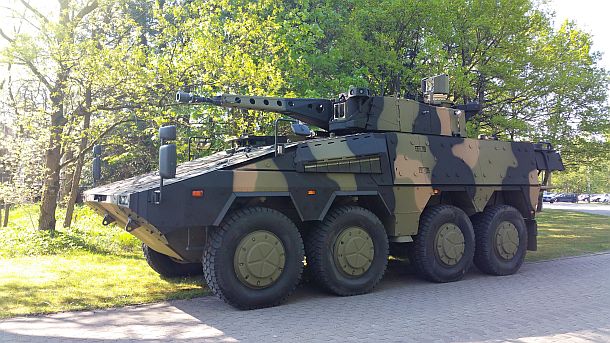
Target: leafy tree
91, 61
102, 71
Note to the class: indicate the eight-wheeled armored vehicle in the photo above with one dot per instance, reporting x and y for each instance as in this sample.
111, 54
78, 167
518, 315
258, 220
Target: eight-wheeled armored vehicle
387, 175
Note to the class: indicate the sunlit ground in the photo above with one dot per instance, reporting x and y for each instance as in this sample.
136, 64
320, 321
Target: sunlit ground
565, 233
85, 280
44, 284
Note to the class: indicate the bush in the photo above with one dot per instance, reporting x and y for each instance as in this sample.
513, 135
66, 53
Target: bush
86, 234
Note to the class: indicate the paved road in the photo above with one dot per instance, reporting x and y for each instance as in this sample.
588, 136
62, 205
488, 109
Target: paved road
567, 299
580, 207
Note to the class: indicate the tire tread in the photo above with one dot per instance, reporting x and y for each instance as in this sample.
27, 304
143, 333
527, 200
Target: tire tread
480, 222
419, 255
216, 237
315, 248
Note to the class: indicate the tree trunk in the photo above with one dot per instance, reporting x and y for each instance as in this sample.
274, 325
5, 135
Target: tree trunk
66, 177
80, 161
50, 188
7, 208
73, 191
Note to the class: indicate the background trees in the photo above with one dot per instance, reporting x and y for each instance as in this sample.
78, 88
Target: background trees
101, 71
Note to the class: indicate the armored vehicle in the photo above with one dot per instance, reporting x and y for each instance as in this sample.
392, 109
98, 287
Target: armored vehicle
384, 175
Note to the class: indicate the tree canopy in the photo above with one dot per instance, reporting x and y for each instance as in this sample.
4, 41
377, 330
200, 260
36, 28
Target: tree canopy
102, 71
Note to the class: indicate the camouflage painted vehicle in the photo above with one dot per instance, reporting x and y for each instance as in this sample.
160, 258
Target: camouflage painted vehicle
389, 176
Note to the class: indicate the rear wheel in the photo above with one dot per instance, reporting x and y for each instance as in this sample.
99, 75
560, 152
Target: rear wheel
254, 259
167, 267
501, 237
444, 245
348, 252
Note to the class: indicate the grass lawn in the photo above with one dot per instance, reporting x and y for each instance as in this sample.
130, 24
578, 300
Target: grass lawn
90, 266
85, 267
566, 233
77, 281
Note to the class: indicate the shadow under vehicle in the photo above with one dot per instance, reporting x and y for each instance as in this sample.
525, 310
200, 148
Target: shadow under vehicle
385, 175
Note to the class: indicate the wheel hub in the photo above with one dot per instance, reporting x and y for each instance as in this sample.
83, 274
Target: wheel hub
449, 242
354, 251
507, 240
259, 259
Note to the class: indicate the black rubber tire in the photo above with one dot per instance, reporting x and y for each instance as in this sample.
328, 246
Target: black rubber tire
486, 257
166, 267
320, 257
219, 253
423, 253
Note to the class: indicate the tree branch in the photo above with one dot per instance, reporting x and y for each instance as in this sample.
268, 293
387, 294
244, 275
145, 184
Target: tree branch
30, 65
35, 11
8, 39
94, 142
85, 10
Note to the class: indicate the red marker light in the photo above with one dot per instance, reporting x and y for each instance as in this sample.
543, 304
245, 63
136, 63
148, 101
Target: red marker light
197, 193
311, 192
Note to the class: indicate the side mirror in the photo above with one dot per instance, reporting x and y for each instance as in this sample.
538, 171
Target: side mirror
168, 160
167, 133
300, 129
97, 169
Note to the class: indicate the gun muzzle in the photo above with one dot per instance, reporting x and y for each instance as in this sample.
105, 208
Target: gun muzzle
184, 97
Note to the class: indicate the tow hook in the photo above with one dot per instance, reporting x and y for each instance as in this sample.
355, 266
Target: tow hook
108, 219
131, 224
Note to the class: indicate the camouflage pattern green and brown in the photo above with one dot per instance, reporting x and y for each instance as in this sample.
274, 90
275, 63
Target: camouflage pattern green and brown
393, 175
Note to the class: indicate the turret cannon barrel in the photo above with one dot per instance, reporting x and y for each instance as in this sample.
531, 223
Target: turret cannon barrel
313, 111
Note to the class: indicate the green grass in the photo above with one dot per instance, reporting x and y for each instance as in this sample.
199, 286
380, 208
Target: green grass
85, 267
565, 233
86, 234
90, 266
78, 281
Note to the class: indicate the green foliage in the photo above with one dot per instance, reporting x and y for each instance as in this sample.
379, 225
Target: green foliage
87, 266
535, 82
86, 235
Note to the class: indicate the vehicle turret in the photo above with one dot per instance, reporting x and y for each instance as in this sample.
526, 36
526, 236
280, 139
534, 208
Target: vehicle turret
357, 110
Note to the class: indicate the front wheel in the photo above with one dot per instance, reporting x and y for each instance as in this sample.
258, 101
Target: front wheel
167, 267
443, 248
254, 259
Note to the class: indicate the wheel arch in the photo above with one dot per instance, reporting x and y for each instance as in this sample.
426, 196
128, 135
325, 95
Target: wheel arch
299, 211
471, 203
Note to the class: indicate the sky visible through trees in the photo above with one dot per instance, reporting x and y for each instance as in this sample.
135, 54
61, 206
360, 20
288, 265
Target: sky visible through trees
103, 71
